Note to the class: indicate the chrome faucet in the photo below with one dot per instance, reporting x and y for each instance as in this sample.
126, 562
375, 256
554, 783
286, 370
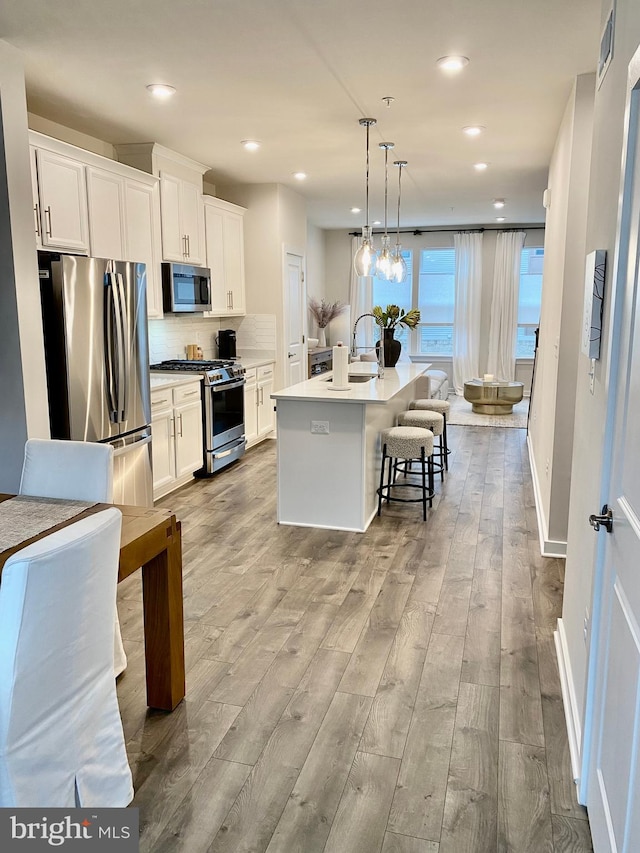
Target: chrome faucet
355, 348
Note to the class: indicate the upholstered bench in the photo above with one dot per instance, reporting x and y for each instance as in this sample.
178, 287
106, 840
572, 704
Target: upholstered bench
433, 384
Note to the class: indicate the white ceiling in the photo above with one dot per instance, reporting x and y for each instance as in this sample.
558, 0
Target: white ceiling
298, 74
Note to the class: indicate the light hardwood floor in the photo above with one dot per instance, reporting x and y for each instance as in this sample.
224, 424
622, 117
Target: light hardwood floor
394, 691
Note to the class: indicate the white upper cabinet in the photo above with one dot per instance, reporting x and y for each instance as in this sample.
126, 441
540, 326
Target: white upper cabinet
105, 195
142, 222
117, 208
224, 229
62, 199
182, 227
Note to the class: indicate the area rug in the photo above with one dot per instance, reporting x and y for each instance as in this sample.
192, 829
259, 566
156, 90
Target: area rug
462, 415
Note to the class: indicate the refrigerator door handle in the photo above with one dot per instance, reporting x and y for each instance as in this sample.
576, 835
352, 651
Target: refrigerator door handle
127, 447
124, 359
110, 333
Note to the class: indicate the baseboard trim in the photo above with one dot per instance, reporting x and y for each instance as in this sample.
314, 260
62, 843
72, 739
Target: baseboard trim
571, 712
548, 547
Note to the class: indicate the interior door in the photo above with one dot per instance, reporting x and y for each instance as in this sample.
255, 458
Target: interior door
613, 703
294, 318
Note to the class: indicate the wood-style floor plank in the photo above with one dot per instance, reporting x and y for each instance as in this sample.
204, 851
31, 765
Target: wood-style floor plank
524, 816
360, 822
392, 691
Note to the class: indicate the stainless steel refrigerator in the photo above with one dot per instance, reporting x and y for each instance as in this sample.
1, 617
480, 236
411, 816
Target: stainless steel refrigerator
95, 331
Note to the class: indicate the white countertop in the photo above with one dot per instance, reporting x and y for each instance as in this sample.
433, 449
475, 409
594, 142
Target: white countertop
171, 380
374, 391
250, 363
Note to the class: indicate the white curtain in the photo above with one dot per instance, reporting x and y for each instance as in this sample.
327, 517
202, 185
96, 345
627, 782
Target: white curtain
361, 301
504, 305
466, 324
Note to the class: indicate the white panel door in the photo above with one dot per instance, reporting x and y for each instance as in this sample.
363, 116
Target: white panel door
188, 438
234, 260
36, 201
213, 221
163, 449
105, 194
294, 319
251, 407
613, 788
63, 201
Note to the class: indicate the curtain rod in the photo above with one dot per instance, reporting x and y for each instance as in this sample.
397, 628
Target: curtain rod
417, 232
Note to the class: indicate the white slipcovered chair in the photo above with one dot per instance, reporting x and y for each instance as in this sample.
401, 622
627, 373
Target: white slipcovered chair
75, 470
61, 738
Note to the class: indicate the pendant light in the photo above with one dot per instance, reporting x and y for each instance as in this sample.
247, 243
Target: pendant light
398, 263
365, 258
383, 262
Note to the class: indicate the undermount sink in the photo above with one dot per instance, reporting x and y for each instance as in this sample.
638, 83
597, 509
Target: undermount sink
358, 377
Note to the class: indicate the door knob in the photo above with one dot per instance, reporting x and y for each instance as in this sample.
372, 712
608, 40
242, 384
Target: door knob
605, 519
290, 354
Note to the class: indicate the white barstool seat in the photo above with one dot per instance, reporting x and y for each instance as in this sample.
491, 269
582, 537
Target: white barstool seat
430, 420
75, 470
444, 408
61, 738
407, 443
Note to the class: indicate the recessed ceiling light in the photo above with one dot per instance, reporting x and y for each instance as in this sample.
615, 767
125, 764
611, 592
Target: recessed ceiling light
161, 90
473, 129
377, 222
452, 63
500, 218
356, 210
300, 176
250, 144
498, 203
480, 167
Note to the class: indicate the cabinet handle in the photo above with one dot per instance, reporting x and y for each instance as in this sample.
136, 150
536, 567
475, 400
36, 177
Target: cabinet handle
184, 245
188, 246
180, 416
47, 215
157, 402
257, 396
231, 297
37, 216
172, 434
191, 393
262, 396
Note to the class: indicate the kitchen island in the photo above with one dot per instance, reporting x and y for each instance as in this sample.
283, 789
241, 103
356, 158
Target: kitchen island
329, 451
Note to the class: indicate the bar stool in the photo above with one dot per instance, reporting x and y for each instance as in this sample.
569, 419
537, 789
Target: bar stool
407, 443
432, 421
443, 407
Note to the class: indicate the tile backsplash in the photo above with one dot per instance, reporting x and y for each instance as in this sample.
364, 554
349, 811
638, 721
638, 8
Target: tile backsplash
168, 338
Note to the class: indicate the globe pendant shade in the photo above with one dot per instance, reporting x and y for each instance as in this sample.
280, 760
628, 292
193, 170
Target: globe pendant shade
398, 267
364, 260
384, 261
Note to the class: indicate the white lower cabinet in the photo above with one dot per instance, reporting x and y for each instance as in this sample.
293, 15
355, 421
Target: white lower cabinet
176, 426
251, 406
259, 419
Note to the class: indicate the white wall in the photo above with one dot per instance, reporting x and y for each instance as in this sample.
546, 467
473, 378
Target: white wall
590, 408
73, 137
338, 260
275, 220
23, 386
553, 404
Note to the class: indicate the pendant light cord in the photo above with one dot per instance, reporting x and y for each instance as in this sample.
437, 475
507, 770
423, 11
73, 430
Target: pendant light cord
367, 180
386, 185
399, 195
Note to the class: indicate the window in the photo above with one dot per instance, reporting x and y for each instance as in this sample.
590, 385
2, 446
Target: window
529, 301
389, 293
436, 300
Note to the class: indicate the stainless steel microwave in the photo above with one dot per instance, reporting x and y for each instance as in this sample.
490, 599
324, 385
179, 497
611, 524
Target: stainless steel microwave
185, 288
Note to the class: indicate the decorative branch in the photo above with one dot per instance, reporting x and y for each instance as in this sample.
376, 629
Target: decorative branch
324, 312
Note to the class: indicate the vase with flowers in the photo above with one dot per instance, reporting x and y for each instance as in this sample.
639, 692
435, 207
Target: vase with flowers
388, 320
323, 313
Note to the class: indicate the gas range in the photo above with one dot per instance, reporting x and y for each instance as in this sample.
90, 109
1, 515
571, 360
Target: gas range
214, 372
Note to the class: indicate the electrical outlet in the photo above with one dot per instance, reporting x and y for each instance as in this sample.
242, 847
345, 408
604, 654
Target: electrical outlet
320, 427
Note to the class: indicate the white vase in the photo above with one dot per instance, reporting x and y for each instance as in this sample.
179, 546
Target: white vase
322, 337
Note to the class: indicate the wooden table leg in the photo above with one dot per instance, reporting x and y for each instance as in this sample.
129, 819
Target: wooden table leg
164, 625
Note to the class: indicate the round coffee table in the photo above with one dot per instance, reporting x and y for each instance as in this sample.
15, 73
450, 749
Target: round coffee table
493, 398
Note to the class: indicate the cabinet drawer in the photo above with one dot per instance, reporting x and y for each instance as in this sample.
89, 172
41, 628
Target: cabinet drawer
161, 399
265, 372
250, 376
186, 393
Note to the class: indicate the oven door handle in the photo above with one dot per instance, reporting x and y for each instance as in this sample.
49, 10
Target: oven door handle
227, 386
